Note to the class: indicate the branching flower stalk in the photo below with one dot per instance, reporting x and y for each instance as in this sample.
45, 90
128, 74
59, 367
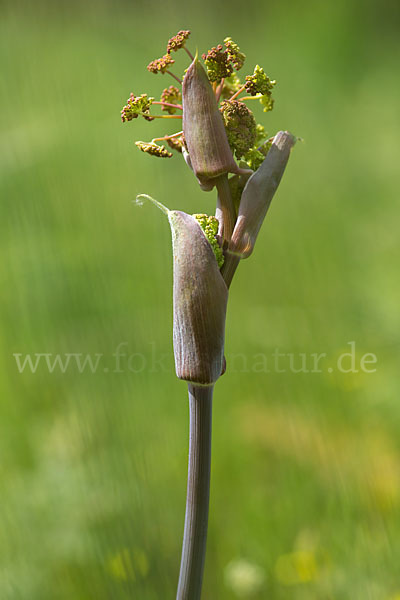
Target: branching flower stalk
226, 149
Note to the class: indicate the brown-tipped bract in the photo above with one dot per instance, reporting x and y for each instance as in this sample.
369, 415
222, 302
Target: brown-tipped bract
203, 127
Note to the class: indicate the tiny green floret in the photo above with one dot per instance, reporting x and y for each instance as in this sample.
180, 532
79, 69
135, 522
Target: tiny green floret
236, 57
240, 126
267, 102
135, 106
261, 134
254, 158
209, 225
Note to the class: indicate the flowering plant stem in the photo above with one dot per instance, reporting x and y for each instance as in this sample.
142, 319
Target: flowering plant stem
207, 249
198, 483
198, 493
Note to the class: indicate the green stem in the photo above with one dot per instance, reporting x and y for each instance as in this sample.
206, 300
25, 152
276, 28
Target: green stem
165, 116
198, 493
228, 269
225, 212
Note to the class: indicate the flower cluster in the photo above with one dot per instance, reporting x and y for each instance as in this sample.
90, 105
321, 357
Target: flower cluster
160, 65
240, 126
246, 139
217, 63
170, 95
210, 227
176, 143
135, 106
260, 83
220, 63
153, 149
236, 57
255, 155
177, 41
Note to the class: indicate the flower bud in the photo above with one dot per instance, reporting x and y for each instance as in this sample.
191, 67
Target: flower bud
200, 298
258, 193
203, 127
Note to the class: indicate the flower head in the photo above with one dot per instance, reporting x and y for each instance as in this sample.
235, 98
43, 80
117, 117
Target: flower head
177, 41
261, 134
175, 143
218, 63
240, 126
254, 158
259, 82
153, 149
160, 65
209, 225
236, 57
135, 106
267, 102
171, 95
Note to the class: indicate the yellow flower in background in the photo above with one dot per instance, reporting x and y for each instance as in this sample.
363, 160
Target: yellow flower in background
128, 565
297, 567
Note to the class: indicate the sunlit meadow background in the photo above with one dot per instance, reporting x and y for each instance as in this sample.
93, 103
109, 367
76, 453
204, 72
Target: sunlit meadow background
305, 500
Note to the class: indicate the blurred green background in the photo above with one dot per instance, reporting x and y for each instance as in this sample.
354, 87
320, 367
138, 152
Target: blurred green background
305, 497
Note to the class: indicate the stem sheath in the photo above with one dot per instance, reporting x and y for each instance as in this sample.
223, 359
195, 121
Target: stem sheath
225, 212
198, 493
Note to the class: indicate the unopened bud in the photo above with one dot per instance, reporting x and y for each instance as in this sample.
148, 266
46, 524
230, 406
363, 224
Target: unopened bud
258, 193
203, 127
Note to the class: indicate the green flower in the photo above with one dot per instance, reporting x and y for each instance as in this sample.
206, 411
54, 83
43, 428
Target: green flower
135, 106
259, 83
240, 126
254, 158
210, 227
267, 102
218, 63
154, 149
236, 57
261, 135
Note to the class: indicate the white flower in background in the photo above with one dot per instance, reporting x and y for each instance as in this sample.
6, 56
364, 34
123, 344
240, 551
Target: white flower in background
244, 578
